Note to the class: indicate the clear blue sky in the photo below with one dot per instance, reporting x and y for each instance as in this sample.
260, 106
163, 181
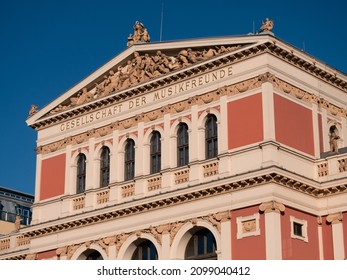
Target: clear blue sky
49, 46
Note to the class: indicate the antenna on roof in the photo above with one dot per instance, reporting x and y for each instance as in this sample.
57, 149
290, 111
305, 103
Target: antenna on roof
253, 27
161, 21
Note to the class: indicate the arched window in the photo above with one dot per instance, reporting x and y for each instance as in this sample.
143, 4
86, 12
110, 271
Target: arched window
211, 137
105, 167
81, 173
182, 145
145, 251
94, 255
129, 160
201, 246
155, 153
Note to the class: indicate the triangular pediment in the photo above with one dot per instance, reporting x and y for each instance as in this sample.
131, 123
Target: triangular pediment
146, 67
137, 68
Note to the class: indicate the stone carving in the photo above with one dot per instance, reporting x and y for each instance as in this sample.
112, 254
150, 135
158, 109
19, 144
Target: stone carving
30, 256
335, 218
140, 34
138, 69
268, 25
218, 218
33, 110
334, 137
249, 226
272, 206
17, 223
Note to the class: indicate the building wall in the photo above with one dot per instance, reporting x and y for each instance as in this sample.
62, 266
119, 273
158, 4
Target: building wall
251, 247
245, 121
294, 248
52, 176
293, 124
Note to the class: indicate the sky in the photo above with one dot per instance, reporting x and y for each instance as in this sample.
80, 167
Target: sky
46, 47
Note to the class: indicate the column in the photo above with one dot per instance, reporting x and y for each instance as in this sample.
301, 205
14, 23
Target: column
320, 238
226, 238
273, 236
337, 229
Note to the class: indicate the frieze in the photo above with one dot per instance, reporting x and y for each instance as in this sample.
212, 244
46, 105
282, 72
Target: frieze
230, 90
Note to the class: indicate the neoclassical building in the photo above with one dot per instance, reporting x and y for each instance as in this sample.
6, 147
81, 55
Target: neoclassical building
221, 148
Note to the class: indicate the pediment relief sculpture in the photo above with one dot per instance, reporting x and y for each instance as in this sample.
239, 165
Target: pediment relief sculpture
139, 68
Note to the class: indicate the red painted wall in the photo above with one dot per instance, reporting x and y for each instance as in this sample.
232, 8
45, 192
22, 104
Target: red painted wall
245, 121
52, 177
294, 125
46, 255
328, 249
296, 249
251, 247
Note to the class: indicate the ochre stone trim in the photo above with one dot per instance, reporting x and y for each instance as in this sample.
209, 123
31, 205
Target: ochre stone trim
335, 218
272, 206
188, 197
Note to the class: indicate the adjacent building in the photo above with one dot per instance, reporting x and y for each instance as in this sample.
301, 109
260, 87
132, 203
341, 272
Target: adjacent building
220, 148
15, 210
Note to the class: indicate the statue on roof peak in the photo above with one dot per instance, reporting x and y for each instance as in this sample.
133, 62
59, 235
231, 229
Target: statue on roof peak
140, 34
268, 25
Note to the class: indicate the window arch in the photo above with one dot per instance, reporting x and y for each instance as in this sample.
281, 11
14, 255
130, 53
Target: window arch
81, 173
155, 152
201, 246
182, 145
105, 167
211, 137
129, 160
145, 251
93, 255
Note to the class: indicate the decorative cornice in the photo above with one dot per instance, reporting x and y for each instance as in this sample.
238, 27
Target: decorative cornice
272, 206
192, 196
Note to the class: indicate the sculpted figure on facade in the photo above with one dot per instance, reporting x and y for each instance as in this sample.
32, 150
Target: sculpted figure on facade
140, 34
33, 110
334, 137
268, 25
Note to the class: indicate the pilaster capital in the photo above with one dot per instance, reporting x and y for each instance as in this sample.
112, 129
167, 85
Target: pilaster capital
335, 218
272, 206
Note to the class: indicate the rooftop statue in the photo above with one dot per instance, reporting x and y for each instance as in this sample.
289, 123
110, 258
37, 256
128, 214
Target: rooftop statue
140, 34
268, 25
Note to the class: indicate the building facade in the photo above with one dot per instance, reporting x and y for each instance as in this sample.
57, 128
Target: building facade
220, 148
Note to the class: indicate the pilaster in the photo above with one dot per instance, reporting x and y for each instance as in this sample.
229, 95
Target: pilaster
273, 236
337, 230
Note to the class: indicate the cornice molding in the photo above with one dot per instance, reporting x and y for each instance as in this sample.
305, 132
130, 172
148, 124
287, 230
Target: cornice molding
275, 178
